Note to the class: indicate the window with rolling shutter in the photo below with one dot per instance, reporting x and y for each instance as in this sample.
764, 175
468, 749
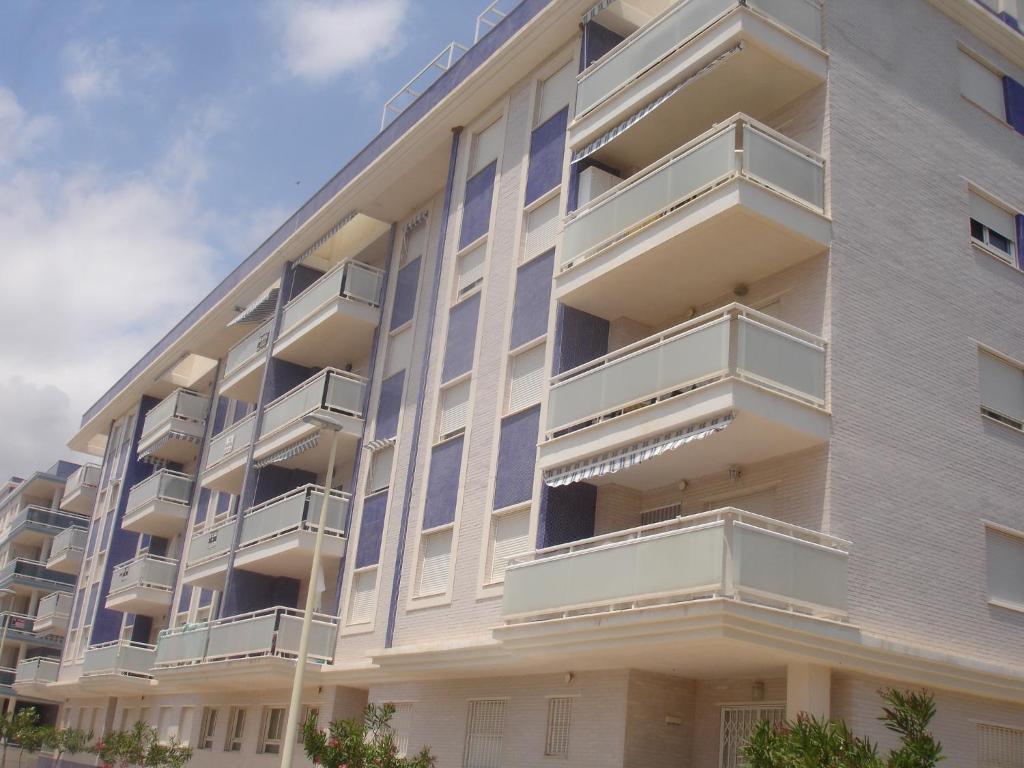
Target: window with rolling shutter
361, 598
994, 227
982, 85
553, 94
469, 271
1004, 561
454, 410
541, 229
556, 744
398, 353
486, 147
485, 729
401, 726
380, 469
415, 244
510, 536
1000, 747
526, 378
435, 560
1002, 389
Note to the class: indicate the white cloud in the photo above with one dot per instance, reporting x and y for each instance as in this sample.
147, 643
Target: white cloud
323, 38
97, 70
19, 134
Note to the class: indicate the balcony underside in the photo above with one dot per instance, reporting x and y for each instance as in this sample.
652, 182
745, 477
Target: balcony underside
227, 475
339, 332
80, 501
738, 232
771, 69
244, 384
312, 459
69, 561
116, 683
234, 675
209, 574
35, 689
765, 425
159, 518
289, 554
148, 601
179, 443
52, 625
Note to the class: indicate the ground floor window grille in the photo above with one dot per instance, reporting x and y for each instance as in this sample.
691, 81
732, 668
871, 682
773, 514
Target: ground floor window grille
559, 721
738, 723
485, 728
1000, 747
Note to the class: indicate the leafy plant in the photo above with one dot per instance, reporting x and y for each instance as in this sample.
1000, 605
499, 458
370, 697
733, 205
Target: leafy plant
369, 743
14, 728
139, 747
808, 742
65, 741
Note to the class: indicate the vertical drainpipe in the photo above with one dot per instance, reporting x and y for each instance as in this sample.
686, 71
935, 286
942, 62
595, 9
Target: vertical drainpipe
389, 637
249, 479
366, 418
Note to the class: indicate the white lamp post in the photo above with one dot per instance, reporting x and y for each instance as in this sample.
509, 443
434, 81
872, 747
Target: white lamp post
335, 427
8, 593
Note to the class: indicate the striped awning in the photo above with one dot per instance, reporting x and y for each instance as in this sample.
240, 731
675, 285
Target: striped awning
320, 243
594, 11
650, 106
289, 451
376, 445
259, 310
630, 456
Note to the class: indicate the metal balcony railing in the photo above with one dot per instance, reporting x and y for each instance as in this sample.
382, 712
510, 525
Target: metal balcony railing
350, 280
230, 442
55, 606
145, 571
296, 510
34, 573
38, 670
247, 349
119, 657
212, 543
331, 390
162, 485
67, 541
86, 476
44, 520
180, 407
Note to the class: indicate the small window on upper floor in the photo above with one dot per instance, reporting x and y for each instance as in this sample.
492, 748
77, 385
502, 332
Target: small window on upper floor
1002, 389
554, 93
510, 536
982, 85
434, 562
993, 227
486, 147
526, 379
469, 272
541, 229
380, 469
414, 244
454, 410
361, 600
398, 353
1004, 566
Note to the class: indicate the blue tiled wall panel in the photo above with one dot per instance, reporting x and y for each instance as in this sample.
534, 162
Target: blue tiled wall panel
532, 299
220, 415
390, 407
476, 208
597, 41
406, 286
371, 529
1014, 93
517, 456
547, 150
461, 341
579, 338
204, 499
443, 484
566, 514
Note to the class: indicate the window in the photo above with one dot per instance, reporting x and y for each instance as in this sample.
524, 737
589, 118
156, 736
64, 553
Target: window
415, 244
554, 93
982, 85
361, 599
1002, 389
1000, 747
486, 147
308, 711
185, 725
272, 731
236, 730
484, 729
661, 514
164, 728
435, 561
559, 720
1004, 560
994, 227
380, 469
401, 726
541, 229
738, 723
469, 271
208, 728
454, 410
526, 379
398, 353
510, 536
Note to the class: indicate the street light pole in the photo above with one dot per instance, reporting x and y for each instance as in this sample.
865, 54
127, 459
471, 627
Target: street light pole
8, 593
326, 424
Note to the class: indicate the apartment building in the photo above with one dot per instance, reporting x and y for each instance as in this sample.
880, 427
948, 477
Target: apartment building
678, 350
43, 526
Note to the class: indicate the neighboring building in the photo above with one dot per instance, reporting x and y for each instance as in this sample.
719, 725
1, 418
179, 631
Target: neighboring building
769, 253
42, 537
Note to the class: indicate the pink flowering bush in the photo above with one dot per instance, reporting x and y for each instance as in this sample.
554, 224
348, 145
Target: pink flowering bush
354, 744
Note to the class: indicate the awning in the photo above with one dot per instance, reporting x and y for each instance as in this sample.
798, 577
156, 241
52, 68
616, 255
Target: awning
645, 110
376, 445
259, 310
289, 451
593, 12
326, 236
630, 456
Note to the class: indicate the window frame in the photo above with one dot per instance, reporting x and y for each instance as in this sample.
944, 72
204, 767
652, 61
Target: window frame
234, 737
518, 354
442, 436
208, 728
549, 735
439, 530
496, 517
271, 744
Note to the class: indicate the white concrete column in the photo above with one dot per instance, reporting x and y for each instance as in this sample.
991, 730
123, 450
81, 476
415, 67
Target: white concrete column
808, 689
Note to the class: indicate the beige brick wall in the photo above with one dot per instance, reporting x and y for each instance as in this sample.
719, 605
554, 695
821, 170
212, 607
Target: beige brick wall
659, 721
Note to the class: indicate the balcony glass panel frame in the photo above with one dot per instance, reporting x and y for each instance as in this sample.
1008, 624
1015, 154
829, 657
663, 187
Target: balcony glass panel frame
38, 669
183, 406
329, 390
351, 280
295, 510
212, 543
144, 572
248, 349
162, 485
230, 442
119, 657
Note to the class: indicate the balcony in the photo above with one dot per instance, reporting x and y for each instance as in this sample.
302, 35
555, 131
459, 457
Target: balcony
23, 629
726, 553
287, 440
80, 490
265, 642
207, 561
243, 366
118, 667
333, 320
68, 550
224, 467
53, 614
734, 386
144, 585
174, 428
693, 65
34, 675
278, 536
735, 205
159, 505
26, 575
34, 525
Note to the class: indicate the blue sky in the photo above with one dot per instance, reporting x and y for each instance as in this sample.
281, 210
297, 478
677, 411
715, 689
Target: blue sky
146, 147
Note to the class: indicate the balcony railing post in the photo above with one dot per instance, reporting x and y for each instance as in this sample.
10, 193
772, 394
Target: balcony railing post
728, 562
